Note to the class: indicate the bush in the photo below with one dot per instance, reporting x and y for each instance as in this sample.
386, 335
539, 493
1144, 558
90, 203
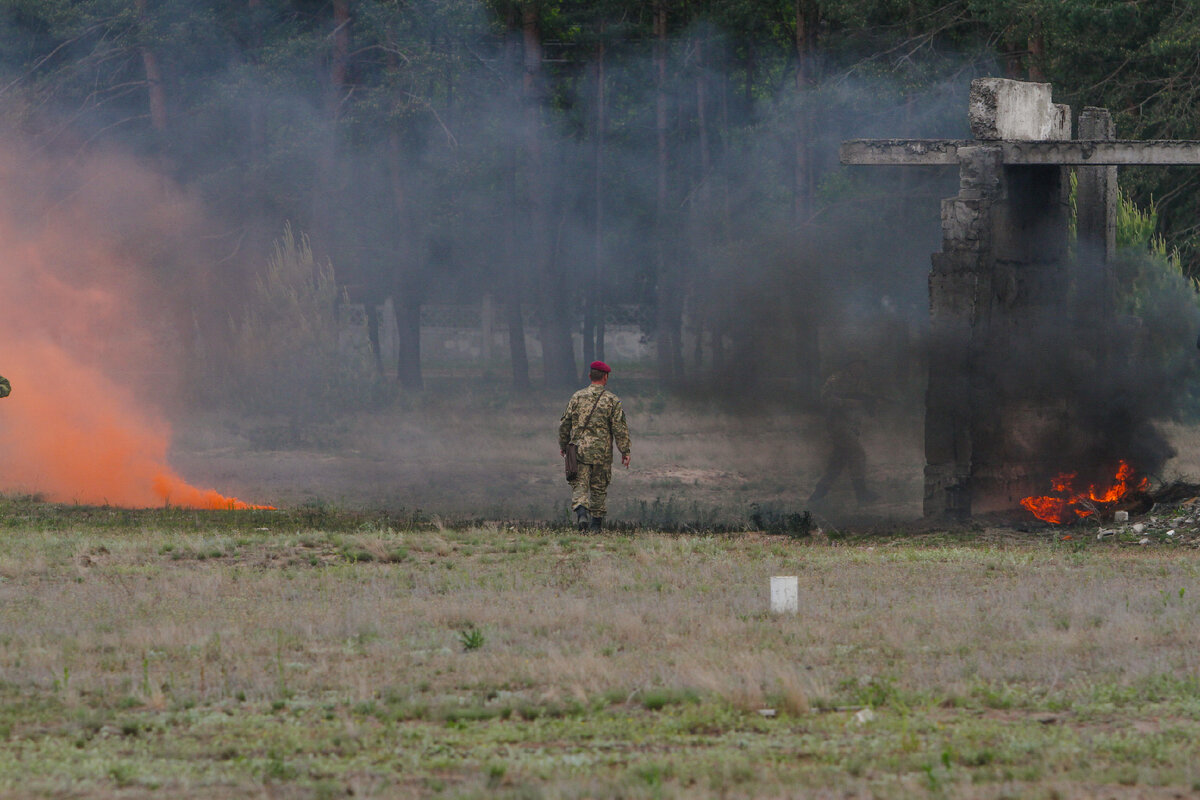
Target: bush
795, 525
285, 357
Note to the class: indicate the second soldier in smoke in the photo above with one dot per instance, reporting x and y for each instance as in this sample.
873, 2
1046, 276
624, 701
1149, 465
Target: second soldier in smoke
593, 421
845, 399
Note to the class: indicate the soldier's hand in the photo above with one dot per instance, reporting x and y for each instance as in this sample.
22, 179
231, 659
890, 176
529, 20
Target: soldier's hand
625, 460
562, 453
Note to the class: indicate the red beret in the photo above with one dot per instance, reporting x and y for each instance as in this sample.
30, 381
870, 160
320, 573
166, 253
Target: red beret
600, 365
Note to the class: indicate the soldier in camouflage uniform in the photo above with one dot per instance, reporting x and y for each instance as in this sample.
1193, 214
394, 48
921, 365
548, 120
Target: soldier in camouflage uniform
595, 441
845, 399
5, 387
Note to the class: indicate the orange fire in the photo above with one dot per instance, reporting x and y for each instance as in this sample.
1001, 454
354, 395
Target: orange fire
1059, 510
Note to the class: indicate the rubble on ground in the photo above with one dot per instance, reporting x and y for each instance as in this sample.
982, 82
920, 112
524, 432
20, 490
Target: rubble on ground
1173, 519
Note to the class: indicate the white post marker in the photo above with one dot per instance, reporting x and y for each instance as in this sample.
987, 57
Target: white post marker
785, 594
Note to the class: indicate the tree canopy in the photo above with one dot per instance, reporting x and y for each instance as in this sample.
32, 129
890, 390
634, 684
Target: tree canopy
568, 157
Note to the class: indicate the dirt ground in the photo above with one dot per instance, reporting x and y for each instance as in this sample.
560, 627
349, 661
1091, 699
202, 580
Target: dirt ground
462, 461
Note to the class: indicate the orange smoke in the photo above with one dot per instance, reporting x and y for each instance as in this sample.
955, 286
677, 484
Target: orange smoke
86, 359
1070, 505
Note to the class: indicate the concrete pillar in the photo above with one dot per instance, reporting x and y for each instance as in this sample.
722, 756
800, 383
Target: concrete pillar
487, 324
959, 288
1002, 273
1012, 413
1095, 297
1096, 191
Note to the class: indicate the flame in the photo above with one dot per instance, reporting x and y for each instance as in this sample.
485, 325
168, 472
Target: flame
85, 339
1059, 510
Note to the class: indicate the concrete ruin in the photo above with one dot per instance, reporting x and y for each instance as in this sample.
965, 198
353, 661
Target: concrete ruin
1003, 270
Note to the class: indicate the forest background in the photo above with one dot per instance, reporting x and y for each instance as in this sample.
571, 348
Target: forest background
657, 161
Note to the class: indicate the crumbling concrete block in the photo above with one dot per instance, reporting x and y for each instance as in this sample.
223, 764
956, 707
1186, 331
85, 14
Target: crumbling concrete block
1005, 109
965, 224
954, 297
979, 171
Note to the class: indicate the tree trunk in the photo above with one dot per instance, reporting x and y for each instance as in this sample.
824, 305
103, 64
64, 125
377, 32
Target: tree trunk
717, 322
589, 329
660, 106
513, 315
806, 25
256, 139
702, 123
339, 59
516, 341
703, 233
156, 90
158, 94
726, 199
325, 189
558, 357
372, 314
1037, 54
406, 285
808, 333
751, 70
408, 330
668, 304
514, 274
593, 325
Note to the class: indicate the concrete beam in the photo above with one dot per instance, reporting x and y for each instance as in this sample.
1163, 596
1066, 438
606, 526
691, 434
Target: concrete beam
1117, 152
938, 152
903, 152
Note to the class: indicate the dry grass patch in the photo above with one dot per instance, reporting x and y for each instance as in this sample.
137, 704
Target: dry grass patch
404, 661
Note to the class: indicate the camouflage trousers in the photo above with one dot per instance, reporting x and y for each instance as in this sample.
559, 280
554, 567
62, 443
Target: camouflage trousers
590, 488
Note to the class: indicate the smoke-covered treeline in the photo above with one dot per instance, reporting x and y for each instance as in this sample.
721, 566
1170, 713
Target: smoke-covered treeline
564, 157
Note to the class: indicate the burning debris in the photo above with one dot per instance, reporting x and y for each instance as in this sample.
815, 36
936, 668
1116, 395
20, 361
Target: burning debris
1068, 505
1129, 512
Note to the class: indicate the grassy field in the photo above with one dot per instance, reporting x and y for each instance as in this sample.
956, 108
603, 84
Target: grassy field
313, 653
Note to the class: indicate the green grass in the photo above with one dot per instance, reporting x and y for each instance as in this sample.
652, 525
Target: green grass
233, 654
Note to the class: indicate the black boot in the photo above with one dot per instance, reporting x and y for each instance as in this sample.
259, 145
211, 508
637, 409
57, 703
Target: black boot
597, 523
581, 517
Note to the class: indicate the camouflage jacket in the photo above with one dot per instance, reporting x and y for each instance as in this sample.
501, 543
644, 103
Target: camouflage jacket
5, 387
606, 425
